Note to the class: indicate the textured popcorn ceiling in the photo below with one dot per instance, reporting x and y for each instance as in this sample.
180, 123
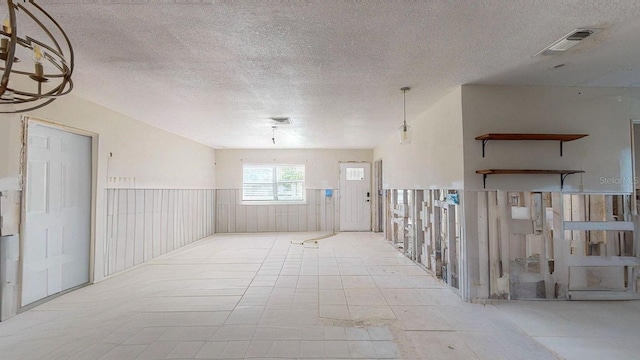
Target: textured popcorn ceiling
215, 71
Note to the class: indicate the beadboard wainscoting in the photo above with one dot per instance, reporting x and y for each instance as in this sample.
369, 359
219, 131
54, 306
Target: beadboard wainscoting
144, 224
320, 213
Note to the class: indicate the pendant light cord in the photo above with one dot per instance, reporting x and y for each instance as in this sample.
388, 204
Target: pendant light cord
404, 106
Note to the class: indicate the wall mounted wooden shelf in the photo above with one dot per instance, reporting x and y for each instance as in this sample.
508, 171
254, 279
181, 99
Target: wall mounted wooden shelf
563, 173
562, 138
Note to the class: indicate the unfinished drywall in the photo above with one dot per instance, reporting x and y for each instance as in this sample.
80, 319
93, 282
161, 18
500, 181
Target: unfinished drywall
434, 159
426, 226
128, 154
604, 155
550, 245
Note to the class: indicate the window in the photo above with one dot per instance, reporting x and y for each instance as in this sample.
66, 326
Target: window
269, 183
355, 174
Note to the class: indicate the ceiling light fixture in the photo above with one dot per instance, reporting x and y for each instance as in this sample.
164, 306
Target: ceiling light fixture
21, 85
405, 130
280, 121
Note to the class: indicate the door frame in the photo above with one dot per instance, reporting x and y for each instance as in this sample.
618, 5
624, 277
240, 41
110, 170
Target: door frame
377, 200
26, 121
634, 162
370, 189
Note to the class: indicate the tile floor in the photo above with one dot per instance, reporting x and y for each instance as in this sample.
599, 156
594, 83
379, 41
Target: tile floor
348, 296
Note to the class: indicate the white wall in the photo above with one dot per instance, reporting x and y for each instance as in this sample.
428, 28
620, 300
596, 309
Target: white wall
155, 158
603, 113
434, 159
636, 137
322, 169
10, 140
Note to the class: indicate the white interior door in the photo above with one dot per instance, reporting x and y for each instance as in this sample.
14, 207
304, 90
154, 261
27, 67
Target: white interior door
355, 197
57, 227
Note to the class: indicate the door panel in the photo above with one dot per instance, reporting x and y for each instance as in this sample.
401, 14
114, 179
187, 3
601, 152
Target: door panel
57, 228
355, 197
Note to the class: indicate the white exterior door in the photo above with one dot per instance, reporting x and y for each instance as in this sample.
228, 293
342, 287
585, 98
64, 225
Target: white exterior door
57, 227
355, 197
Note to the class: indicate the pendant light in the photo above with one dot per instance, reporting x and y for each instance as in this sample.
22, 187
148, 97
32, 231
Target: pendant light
405, 130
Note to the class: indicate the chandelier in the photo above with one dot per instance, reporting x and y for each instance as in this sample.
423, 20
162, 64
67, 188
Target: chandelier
36, 58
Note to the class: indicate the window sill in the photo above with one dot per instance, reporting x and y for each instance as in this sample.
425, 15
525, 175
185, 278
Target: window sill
253, 202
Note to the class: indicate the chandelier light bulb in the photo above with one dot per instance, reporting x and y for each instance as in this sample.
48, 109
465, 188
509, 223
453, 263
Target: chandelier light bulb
38, 54
6, 25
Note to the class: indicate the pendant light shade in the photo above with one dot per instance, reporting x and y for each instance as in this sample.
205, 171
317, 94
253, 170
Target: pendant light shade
405, 134
404, 130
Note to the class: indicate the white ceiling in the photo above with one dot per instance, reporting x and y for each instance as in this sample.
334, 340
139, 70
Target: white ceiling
215, 71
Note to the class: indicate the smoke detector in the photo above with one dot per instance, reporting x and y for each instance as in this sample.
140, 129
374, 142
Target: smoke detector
567, 42
280, 121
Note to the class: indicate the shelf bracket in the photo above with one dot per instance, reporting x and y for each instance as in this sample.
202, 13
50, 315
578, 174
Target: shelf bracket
484, 142
562, 178
484, 181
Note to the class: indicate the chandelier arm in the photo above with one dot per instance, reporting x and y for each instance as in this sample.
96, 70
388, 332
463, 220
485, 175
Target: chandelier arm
59, 90
63, 86
49, 101
65, 71
28, 43
4, 82
64, 34
19, 72
35, 96
40, 24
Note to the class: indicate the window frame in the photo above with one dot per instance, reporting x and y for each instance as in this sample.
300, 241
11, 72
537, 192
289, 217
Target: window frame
275, 183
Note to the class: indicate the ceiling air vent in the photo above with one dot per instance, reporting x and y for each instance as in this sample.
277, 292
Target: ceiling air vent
566, 42
280, 121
